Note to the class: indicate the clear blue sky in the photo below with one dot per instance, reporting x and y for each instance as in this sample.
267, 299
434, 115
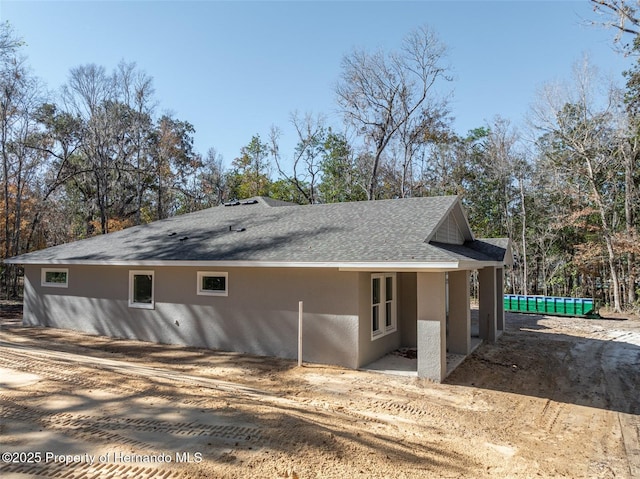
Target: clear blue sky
233, 69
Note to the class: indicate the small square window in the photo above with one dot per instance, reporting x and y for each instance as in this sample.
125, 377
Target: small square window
212, 284
55, 277
141, 289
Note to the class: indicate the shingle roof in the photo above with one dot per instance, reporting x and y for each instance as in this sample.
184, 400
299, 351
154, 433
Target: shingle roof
262, 230
485, 249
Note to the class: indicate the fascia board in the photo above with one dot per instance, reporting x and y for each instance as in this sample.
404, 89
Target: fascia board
470, 265
401, 267
343, 266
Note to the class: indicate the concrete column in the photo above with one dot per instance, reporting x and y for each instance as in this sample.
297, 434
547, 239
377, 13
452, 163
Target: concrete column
459, 340
500, 300
487, 306
432, 327
29, 295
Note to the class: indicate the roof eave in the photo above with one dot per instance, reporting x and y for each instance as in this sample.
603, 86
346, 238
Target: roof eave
369, 266
341, 265
476, 264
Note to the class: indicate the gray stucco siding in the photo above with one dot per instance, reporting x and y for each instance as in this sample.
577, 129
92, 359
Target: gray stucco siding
372, 349
407, 302
259, 315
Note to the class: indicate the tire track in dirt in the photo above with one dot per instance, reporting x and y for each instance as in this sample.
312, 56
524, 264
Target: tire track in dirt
86, 432
84, 470
56, 370
191, 429
97, 429
83, 432
620, 366
630, 428
550, 415
55, 366
107, 430
550, 427
606, 369
53, 369
378, 412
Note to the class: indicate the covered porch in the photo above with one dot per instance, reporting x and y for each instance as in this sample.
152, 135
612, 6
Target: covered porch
404, 361
438, 326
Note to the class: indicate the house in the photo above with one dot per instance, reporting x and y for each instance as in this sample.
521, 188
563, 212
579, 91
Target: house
373, 275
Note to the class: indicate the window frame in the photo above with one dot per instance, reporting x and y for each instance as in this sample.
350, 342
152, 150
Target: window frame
133, 304
46, 284
384, 327
205, 292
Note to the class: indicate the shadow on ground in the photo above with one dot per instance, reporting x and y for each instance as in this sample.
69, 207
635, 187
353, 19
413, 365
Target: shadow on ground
585, 362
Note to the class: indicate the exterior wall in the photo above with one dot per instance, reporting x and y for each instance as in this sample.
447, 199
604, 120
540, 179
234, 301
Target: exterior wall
370, 350
407, 312
259, 315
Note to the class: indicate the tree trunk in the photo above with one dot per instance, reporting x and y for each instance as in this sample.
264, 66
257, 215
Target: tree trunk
7, 238
523, 212
374, 175
631, 279
606, 233
628, 213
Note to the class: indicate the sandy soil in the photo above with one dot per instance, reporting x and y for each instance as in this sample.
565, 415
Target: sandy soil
553, 397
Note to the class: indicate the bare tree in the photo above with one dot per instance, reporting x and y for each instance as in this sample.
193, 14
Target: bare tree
580, 122
622, 15
135, 89
115, 112
500, 171
212, 181
627, 151
379, 93
20, 95
87, 94
307, 155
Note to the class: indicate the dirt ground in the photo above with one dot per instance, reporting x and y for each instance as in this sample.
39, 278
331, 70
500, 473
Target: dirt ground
554, 397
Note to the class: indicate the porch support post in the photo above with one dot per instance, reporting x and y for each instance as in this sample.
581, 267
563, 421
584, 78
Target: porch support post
459, 340
487, 307
432, 327
500, 300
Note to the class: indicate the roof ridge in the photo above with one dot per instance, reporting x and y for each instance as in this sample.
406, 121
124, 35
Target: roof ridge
266, 201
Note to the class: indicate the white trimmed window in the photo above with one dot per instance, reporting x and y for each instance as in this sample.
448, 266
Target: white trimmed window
213, 284
383, 304
55, 277
141, 288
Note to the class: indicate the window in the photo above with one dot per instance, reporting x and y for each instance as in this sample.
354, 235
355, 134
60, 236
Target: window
212, 284
383, 304
141, 289
55, 277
